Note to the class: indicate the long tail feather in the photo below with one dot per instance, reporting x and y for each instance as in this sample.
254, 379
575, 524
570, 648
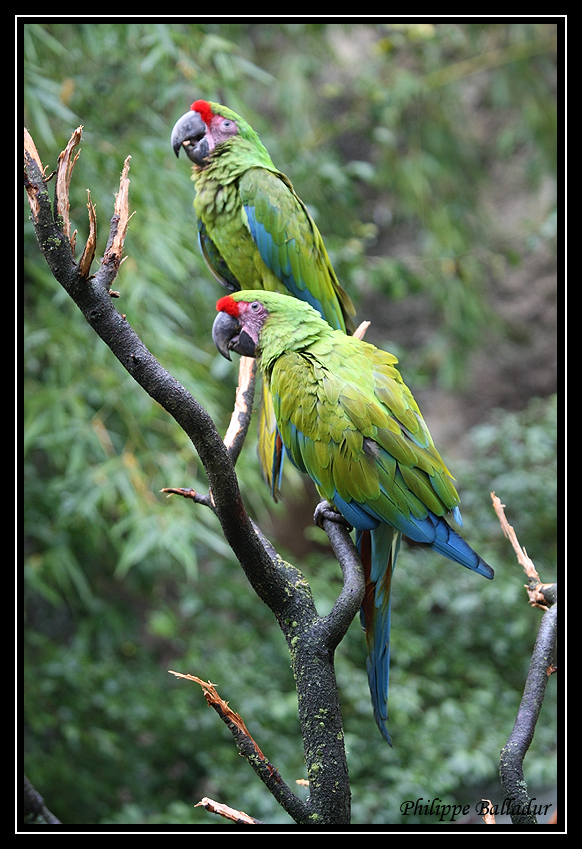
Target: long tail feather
378, 549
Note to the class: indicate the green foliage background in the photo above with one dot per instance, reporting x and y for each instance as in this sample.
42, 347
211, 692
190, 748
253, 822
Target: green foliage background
393, 134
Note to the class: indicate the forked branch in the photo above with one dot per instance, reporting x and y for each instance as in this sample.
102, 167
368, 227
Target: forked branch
311, 638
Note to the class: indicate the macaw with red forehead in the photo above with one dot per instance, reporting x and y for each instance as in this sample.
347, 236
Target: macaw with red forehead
348, 420
254, 230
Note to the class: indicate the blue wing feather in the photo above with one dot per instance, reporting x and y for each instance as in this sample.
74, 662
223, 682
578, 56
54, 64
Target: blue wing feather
271, 255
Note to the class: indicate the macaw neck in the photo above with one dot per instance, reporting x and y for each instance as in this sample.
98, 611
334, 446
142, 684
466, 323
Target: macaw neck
230, 159
297, 337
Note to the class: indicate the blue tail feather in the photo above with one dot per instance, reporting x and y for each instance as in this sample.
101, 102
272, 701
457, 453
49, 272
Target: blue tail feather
378, 543
433, 531
378, 549
453, 546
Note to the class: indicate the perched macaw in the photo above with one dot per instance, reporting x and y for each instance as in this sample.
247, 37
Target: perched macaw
347, 420
254, 231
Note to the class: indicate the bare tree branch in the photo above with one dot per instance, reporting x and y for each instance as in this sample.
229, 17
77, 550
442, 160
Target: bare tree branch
514, 751
226, 812
540, 668
34, 806
311, 639
250, 750
89, 250
65, 166
540, 594
243, 407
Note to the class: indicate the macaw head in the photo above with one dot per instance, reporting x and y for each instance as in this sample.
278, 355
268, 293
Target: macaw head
257, 323
238, 325
206, 127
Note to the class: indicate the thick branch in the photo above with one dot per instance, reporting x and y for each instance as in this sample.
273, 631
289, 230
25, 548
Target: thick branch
311, 639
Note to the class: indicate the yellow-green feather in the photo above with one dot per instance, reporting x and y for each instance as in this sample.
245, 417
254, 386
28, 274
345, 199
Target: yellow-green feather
336, 391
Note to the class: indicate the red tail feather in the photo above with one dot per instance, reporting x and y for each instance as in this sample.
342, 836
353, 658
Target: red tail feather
366, 557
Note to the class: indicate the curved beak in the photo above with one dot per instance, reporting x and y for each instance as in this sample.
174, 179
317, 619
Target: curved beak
228, 335
225, 331
189, 132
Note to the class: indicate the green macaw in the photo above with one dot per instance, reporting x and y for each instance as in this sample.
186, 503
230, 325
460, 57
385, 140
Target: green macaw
347, 420
254, 231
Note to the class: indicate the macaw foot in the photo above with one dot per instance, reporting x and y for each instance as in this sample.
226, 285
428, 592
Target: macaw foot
325, 510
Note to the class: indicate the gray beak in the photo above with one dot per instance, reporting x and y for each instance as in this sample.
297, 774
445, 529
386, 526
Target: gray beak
189, 132
228, 335
225, 331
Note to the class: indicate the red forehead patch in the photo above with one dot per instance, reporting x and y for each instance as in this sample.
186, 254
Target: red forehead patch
227, 304
204, 109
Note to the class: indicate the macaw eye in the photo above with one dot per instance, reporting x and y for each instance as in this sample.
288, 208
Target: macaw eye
255, 306
227, 124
